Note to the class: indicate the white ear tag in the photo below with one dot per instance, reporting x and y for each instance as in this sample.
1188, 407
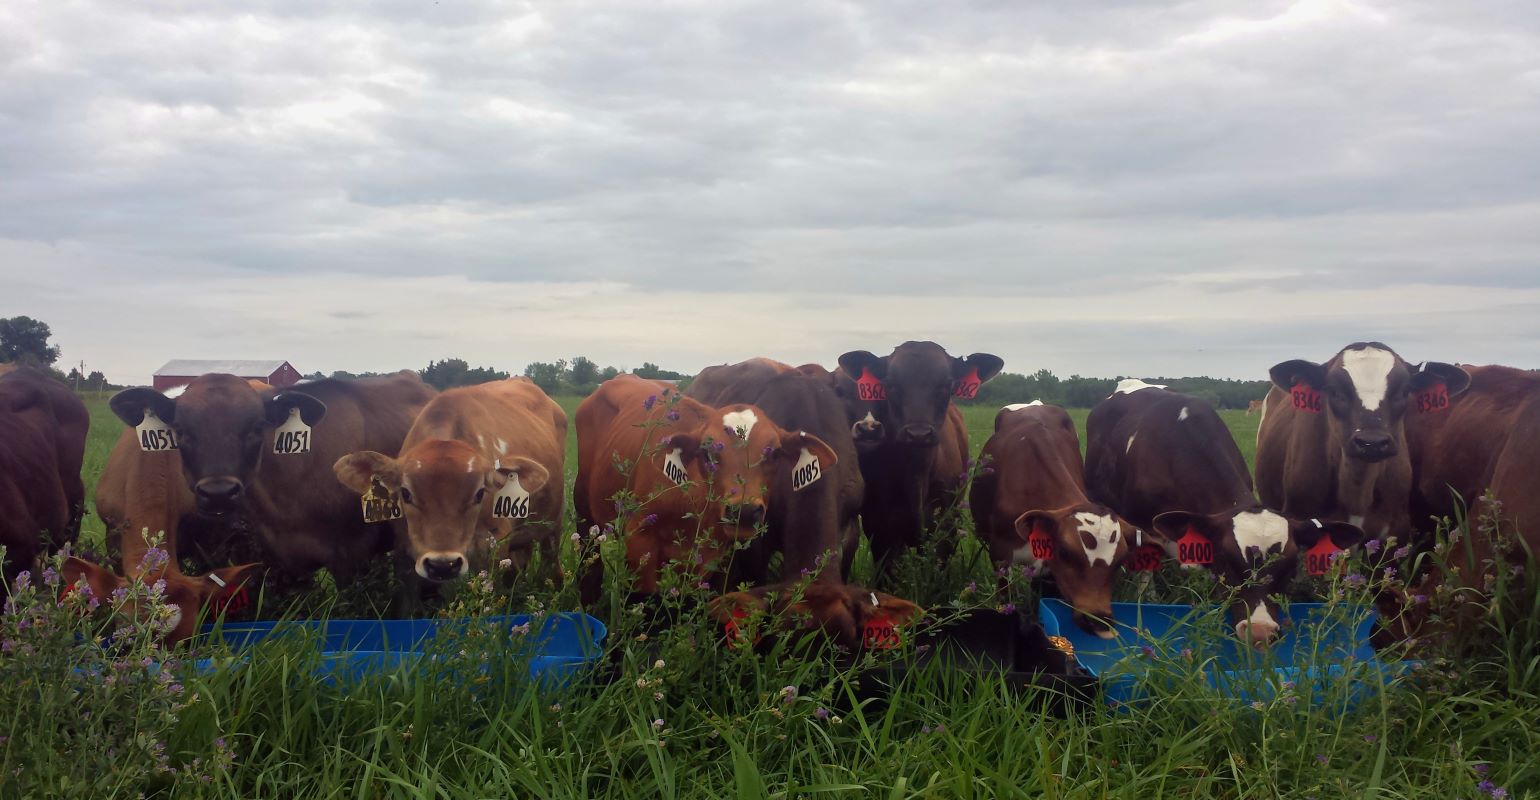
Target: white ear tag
806, 472
218, 581
292, 437
673, 466
512, 501
154, 435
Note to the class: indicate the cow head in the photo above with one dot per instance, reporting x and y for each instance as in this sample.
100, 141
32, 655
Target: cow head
1364, 393
447, 491
220, 422
1254, 552
1082, 546
916, 384
850, 615
860, 412
731, 454
189, 596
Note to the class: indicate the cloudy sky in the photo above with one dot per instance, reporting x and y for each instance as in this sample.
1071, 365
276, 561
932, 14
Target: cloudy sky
1131, 187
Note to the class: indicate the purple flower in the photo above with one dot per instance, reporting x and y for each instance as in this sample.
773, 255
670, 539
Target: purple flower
666, 441
1403, 551
1356, 581
649, 520
821, 713
1008, 608
672, 415
23, 579
1420, 599
1002, 572
1149, 652
651, 401
1487, 787
1320, 758
768, 452
1481, 770
711, 466
1371, 738
1372, 546
718, 447
50, 578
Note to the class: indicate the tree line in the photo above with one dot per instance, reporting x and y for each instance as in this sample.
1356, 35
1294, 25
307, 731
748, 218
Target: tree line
1080, 392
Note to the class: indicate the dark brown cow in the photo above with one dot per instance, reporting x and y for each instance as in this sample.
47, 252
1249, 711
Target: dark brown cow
42, 443
1331, 443
481, 475
225, 432
1167, 463
917, 468
815, 529
702, 475
1030, 507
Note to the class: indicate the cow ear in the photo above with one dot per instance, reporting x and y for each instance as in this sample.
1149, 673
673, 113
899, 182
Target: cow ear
130, 405
888, 609
793, 442
1308, 532
358, 471
277, 407
102, 581
1032, 521
1455, 380
1173, 525
1289, 373
855, 361
737, 605
987, 364
688, 445
532, 476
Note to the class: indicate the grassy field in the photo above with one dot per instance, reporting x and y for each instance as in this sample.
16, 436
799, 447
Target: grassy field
676, 714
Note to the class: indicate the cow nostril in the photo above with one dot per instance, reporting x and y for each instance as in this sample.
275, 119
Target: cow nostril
218, 490
442, 568
745, 514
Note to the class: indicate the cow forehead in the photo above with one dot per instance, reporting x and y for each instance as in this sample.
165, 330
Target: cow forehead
1370, 370
741, 421
1104, 533
1131, 385
1263, 530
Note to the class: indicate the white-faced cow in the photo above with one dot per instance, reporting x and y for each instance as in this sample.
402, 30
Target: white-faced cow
1167, 463
919, 464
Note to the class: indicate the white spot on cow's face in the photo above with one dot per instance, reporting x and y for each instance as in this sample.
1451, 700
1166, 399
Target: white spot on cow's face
1258, 628
1183, 415
1020, 406
1263, 530
1104, 533
1130, 443
502, 447
470, 464
740, 421
1131, 385
1370, 370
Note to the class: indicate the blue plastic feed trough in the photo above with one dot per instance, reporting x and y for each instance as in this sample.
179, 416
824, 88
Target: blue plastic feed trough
1323, 652
352, 649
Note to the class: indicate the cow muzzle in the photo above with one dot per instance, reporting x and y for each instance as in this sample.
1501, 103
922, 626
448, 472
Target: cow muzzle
867, 430
440, 567
744, 514
1258, 630
1098, 624
1372, 446
918, 435
218, 495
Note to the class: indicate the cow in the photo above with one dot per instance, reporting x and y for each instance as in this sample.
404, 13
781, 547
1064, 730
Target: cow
1167, 463
480, 475
43, 429
1030, 507
919, 464
814, 529
701, 476
1254, 407
225, 432
851, 616
1332, 445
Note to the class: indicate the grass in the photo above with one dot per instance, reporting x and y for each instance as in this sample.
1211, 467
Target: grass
675, 714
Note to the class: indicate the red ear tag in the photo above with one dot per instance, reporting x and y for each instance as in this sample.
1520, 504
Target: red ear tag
1194, 549
1146, 559
231, 603
734, 634
1040, 542
1306, 398
968, 387
1433, 398
880, 635
1318, 558
870, 387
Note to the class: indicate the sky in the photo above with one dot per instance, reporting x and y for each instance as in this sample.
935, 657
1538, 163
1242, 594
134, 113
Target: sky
1095, 188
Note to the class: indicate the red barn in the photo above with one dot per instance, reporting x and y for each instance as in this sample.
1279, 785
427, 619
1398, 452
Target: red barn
182, 371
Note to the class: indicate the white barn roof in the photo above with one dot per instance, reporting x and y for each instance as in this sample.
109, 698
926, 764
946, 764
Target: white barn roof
240, 369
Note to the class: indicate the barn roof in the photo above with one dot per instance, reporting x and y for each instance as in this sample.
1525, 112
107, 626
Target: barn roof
240, 369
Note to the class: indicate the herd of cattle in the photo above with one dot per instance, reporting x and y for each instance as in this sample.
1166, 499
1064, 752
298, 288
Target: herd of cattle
759, 459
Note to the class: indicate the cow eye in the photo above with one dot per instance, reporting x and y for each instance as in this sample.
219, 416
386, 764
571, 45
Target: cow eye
406, 495
481, 494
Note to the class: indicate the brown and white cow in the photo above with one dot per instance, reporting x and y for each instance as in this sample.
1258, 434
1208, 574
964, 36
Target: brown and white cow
1332, 444
42, 443
1030, 507
702, 474
1167, 463
480, 475
919, 465
225, 432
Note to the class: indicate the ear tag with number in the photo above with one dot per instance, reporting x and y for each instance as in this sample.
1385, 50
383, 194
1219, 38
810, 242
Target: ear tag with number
673, 466
806, 472
1318, 557
512, 501
870, 387
1146, 558
1040, 542
1433, 398
1193, 548
1306, 398
380, 505
154, 435
968, 387
292, 437
880, 635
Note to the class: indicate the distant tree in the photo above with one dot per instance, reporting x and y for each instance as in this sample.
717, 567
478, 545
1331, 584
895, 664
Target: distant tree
75, 378
607, 373
655, 372
96, 381
548, 376
582, 375
344, 375
317, 375
25, 340
452, 372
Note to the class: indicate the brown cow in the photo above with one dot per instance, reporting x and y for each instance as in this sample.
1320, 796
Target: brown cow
919, 465
1030, 507
1331, 444
700, 474
480, 475
226, 432
851, 616
42, 443
1254, 407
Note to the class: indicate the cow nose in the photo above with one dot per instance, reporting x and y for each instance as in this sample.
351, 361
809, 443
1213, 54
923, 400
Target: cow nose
746, 514
441, 566
920, 435
867, 429
1373, 445
217, 494
1256, 633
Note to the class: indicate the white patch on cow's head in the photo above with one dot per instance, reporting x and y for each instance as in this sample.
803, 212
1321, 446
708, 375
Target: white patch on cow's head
1131, 385
1182, 415
470, 464
1259, 627
481, 441
1130, 443
502, 447
1370, 370
1020, 406
175, 391
1104, 532
1263, 530
740, 421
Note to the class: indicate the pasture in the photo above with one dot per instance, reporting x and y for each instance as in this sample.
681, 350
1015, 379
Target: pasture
676, 714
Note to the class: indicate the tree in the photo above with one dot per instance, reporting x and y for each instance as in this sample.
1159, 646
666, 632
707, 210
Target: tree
655, 372
452, 372
583, 375
25, 340
547, 376
96, 381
